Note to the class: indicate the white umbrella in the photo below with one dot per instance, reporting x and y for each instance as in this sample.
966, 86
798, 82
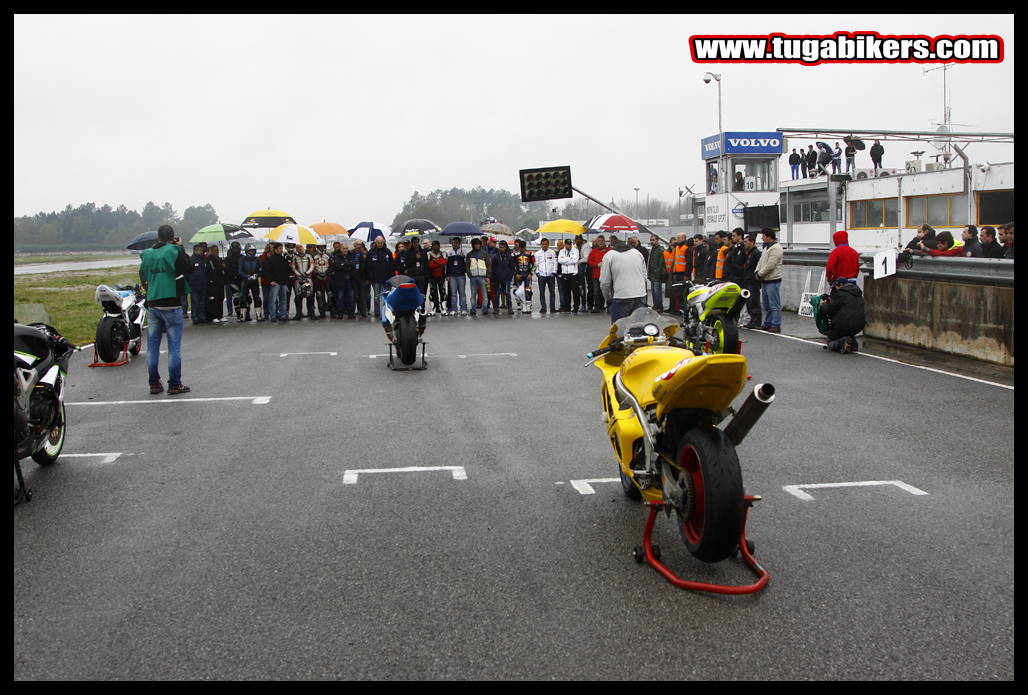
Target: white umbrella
294, 234
366, 231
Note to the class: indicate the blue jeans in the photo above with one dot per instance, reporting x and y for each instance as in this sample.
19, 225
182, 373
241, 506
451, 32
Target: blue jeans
770, 295
795, 170
657, 286
457, 283
850, 165
476, 283
344, 299
279, 301
159, 321
620, 308
547, 282
380, 292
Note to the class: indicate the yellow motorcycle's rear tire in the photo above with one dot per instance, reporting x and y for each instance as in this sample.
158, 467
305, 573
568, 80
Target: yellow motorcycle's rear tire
712, 527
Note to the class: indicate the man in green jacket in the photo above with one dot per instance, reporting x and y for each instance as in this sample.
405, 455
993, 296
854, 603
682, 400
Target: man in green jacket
656, 272
159, 269
769, 272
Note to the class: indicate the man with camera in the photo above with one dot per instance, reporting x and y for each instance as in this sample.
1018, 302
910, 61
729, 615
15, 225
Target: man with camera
160, 268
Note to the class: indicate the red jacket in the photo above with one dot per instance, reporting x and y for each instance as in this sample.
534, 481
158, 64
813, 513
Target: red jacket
843, 261
595, 256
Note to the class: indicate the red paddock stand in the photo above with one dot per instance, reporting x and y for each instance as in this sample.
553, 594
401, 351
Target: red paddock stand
122, 359
744, 549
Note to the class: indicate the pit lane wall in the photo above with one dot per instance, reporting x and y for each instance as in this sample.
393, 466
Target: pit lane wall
959, 306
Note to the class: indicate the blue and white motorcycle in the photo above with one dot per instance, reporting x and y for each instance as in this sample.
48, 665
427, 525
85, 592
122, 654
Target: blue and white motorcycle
41, 357
121, 327
403, 318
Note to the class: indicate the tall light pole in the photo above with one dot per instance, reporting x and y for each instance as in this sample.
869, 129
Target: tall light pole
720, 132
637, 202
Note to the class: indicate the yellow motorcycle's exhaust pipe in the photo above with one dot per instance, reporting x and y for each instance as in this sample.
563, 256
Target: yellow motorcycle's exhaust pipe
752, 408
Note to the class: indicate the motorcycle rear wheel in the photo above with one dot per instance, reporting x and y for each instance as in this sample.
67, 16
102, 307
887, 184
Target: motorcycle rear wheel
727, 330
407, 339
712, 529
54, 443
109, 339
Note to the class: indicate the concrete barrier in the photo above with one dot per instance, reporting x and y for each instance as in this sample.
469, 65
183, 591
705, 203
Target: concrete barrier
959, 306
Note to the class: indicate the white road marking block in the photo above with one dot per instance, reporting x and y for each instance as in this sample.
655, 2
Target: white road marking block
585, 487
256, 400
108, 458
350, 476
796, 490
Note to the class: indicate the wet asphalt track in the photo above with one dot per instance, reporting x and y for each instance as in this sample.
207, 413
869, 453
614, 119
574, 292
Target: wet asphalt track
223, 543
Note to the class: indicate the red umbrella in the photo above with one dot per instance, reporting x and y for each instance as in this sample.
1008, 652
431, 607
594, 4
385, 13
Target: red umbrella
612, 223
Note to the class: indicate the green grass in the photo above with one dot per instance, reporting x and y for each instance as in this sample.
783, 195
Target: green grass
68, 297
71, 258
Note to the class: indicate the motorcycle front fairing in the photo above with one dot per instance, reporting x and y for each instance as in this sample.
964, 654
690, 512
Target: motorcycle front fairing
709, 298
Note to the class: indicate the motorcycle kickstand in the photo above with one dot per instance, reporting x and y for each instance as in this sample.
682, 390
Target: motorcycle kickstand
651, 554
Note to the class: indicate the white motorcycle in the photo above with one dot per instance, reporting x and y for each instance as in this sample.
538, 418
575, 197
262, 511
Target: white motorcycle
121, 327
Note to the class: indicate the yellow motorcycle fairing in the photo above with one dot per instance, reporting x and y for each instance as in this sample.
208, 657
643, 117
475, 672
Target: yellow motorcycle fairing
721, 296
705, 381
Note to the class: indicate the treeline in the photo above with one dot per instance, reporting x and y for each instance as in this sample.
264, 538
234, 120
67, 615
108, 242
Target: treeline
92, 228
459, 205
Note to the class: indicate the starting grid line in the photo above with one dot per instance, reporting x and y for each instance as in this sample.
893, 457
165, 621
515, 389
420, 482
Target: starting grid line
255, 400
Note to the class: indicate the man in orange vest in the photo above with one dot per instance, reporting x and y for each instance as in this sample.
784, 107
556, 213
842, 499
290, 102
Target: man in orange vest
722, 243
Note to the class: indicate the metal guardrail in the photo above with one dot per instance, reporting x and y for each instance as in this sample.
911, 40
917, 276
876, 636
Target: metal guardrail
971, 271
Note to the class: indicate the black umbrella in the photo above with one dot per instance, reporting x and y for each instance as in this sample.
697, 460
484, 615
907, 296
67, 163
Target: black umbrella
417, 226
143, 241
859, 144
825, 154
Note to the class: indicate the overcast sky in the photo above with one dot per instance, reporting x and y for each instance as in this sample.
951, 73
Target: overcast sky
343, 118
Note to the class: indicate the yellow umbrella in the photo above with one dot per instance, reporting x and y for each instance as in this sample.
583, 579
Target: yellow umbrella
562, 227
329, 229
267, 218
294, 234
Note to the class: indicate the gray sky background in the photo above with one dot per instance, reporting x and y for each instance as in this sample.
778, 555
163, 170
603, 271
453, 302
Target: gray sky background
343, 118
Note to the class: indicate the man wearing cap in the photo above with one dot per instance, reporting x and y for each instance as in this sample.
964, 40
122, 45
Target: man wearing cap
478, 263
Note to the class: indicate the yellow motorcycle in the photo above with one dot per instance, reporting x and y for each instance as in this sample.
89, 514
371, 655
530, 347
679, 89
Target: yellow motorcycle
662, 404
711, 320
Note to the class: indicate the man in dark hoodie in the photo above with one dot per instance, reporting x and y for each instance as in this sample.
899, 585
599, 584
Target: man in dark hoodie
845, 311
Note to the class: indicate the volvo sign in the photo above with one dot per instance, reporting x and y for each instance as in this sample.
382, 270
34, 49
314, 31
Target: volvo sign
743, 143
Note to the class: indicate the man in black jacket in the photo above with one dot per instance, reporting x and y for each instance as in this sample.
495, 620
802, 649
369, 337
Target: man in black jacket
990, 247
276, 270
751, 255
845, 311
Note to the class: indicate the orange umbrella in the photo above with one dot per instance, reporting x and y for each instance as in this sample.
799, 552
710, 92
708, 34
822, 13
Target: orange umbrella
329, 229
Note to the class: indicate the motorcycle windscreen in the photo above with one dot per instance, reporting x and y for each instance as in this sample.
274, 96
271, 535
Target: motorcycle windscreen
641, 317
27, 314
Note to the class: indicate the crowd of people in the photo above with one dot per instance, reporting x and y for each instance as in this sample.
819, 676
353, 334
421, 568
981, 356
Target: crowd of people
995, 242
809, 165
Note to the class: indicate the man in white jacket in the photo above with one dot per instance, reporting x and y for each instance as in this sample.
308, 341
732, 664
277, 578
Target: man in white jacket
546, 272
623, 280
567, 261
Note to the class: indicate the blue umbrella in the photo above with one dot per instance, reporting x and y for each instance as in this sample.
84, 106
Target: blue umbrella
461, 229
367, 231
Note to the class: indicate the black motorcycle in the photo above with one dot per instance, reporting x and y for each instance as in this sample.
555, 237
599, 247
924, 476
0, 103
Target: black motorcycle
41, 357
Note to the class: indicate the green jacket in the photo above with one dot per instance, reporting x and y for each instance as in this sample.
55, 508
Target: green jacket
157, 265
656, 268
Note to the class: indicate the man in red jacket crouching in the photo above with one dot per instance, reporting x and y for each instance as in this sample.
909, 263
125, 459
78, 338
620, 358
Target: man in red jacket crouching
843, 261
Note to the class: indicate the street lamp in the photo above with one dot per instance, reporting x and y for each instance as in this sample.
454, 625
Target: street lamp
720, 132
636, 202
